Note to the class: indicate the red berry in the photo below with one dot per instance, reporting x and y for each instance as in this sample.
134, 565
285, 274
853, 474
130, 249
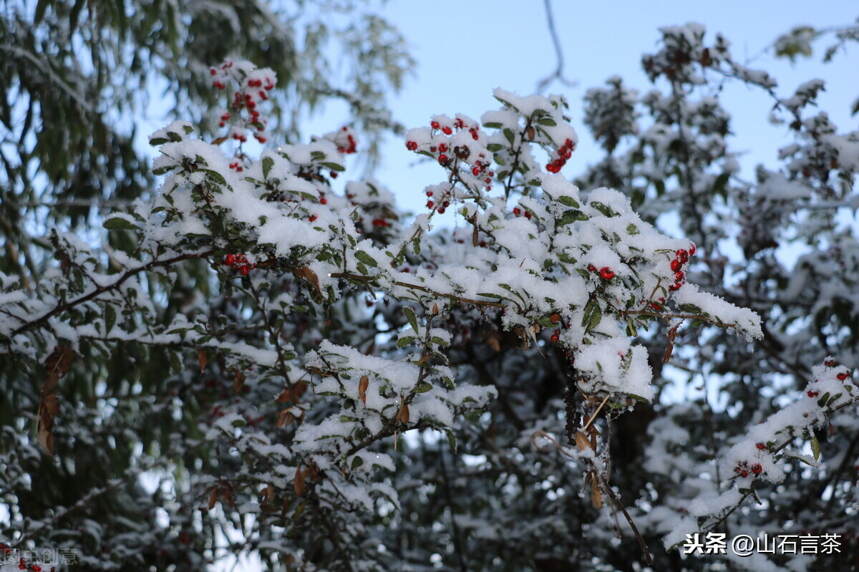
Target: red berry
442, 147
475, 170
213, 71
842, 376
323, 201
245, 270
312, 218
812, 394
676, 265
606, 273
556, 336
656, 305
555, 318
434, 124
430, 204
527, 214
679, 276
760, 446
411, 145
744, 474
592, 268
757, 469
675, 286
517, 211
830, 363
443, 159
229, 259
692, 249
446, 130
682, 255
440, 210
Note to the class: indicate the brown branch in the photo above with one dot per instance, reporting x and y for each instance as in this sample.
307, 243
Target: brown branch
102, 289
360, 278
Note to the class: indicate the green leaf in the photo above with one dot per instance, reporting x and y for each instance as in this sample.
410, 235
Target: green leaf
547, 121
405, 341
413, 320
632, 229
267, 164
571, 216
815, 447
509, 135
118, 223
334, 166
216, 176
423, 387
366, 258
109, 318
631, 330
568, 201
604, 209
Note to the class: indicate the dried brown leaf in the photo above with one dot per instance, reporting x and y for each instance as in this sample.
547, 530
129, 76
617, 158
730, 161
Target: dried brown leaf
363, 384
310, 276
202, 359
582, 441
403, 413
298, 483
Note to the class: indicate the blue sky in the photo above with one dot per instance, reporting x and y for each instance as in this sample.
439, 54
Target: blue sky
465, 49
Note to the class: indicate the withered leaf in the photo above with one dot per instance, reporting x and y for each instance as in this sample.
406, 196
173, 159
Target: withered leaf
596, 493
213, 498
202, 359
582, 441
403, 413
310, 276
56, 366
238, 381
363, 384
298, 483
298, 390
285, 417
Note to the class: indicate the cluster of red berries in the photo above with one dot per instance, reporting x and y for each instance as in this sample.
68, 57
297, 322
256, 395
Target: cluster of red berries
346, 141
562, 155
742, 469
681, 257
841, 376
253, 90
236, 166
444, 152
239, 262
605, 272
443, 201
556, 335
380, 223
658, 304
522, 212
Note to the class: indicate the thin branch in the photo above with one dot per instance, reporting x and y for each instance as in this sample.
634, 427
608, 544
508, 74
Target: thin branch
558, 73
102, 289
